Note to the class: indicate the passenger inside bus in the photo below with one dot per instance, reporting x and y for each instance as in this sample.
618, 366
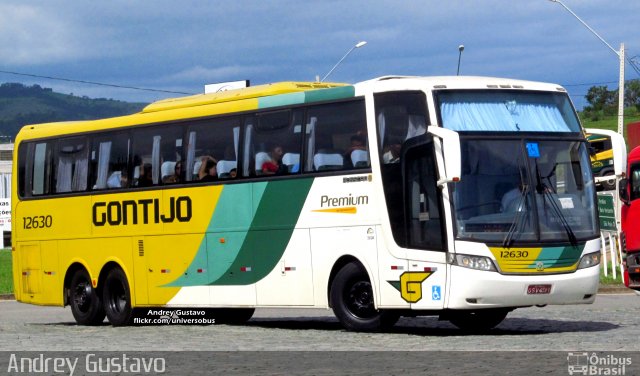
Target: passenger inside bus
208, 171
274, 165
358, 145
146, 177
177, 172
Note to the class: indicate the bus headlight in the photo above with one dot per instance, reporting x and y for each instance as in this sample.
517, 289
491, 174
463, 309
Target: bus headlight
474, 262
589, 260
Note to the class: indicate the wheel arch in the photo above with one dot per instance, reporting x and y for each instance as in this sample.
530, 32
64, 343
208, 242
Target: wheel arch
71, 270
339, 264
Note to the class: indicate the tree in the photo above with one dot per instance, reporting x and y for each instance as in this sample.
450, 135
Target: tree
632, 94
599, 97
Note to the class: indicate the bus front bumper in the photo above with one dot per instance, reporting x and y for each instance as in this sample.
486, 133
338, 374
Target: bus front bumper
473, 289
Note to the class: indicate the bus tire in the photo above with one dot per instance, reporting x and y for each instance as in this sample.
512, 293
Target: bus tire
478, 321
85, 300
351, 298
117, 298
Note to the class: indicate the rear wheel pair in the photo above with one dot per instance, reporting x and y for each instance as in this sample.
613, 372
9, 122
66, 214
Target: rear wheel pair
89, 306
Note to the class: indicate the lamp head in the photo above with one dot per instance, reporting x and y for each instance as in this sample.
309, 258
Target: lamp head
461, 48
360, 44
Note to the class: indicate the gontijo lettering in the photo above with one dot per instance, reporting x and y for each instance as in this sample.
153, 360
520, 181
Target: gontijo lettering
128, 212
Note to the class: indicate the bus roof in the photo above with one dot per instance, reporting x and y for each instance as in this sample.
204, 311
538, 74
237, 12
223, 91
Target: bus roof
273, 95
465, 82
237, 94
250, 98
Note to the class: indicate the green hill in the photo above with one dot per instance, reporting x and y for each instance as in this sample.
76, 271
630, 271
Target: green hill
21, 105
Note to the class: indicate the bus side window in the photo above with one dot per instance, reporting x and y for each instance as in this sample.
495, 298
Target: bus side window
399, 118
152, 147
109, 161
274, 142
71, 165
216, 139
336, 137
40, 161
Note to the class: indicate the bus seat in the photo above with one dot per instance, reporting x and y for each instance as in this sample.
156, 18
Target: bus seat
224, 168
196, 168
322, 161
360, 158
292, 161
167, 169
114, 180
261, 158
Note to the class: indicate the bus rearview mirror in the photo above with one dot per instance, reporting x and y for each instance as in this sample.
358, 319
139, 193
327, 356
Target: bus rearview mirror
450, 149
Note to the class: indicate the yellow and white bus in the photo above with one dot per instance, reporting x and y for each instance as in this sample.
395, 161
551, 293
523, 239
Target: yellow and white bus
463, 197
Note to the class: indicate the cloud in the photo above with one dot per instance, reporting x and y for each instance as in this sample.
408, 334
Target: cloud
204, 75
29, 36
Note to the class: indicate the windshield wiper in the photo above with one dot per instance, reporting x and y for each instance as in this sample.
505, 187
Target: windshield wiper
516, 225
545, 190
517, 220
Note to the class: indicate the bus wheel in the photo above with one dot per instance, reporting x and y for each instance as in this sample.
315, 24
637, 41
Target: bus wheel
478, 321
84, 300
117, 298
351, 298
232, 316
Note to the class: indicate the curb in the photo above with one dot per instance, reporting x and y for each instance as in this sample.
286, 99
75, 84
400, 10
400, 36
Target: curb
614, 289
7, 297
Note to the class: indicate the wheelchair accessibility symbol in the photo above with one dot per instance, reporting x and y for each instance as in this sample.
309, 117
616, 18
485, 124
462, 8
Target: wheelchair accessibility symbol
436, 293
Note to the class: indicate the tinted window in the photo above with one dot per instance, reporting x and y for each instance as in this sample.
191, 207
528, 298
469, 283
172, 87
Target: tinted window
109, 161
212, 150
336, 137
41, 168
151, 148
274, 143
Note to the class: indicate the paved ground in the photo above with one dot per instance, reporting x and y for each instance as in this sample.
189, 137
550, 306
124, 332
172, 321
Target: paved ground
311, 341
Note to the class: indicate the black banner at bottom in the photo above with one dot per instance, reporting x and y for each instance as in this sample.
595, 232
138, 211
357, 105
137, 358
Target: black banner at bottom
320, 363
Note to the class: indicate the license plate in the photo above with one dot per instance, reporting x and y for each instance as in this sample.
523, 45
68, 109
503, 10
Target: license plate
538, 289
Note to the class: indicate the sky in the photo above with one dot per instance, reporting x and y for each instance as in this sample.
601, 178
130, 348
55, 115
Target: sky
173, 47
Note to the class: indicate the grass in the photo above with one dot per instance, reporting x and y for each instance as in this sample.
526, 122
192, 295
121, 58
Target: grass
609, 280
611, 122
6, 275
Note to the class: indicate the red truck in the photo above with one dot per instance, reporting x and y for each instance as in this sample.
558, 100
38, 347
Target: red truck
630, 218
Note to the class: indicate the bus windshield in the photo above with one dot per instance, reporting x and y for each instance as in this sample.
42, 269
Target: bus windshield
525, 190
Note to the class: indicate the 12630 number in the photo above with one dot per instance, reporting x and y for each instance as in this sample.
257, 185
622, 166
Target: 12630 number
514, 254
38, 221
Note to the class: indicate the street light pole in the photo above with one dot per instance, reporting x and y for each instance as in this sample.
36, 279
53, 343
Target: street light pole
620, 57
460, 49
358, 45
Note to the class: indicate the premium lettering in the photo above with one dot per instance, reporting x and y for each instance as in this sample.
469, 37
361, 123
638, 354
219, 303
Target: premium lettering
326, 201
144, 211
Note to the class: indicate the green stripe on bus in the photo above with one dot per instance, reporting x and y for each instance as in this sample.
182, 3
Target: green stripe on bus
271, 230
281, 100
558, 257
307, 97
245, 239
341, 92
